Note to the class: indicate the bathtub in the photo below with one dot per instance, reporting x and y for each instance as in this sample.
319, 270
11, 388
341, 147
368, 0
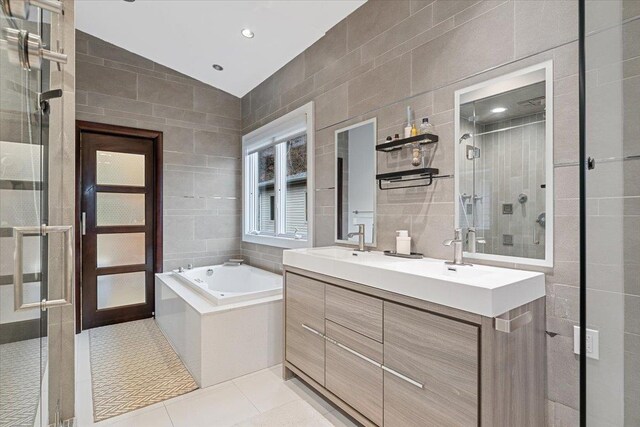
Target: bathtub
227, 284
223, 321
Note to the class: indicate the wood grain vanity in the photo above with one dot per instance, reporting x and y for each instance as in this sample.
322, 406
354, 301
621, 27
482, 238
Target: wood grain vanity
392, 360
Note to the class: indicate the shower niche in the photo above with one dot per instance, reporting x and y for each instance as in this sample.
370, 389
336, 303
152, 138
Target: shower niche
504, 167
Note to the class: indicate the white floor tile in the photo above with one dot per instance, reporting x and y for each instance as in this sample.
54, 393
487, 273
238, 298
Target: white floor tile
266, 389
338, 419
292, 414
84, 404
223, 406
83, 360
318, 403
157, 417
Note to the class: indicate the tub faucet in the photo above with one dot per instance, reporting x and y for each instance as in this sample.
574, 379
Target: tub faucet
360, 235
456, 242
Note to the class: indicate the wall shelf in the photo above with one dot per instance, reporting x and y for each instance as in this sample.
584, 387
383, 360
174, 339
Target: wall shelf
398, 144
426, 175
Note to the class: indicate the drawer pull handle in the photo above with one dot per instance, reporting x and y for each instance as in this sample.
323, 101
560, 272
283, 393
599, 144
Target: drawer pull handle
313, 331
403, 377
352, 351
508, 326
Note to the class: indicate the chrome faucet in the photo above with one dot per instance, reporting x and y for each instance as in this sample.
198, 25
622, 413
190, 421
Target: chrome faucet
473, 240
360, 235
456, 242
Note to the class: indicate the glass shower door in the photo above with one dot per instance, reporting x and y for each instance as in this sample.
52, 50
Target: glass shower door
23, 342
36, 249
612, 185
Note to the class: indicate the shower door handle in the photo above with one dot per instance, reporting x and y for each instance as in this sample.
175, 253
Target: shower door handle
18, 266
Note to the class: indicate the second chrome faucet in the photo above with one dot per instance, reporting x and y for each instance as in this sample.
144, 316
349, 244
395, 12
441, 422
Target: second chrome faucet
360, 235
457, 243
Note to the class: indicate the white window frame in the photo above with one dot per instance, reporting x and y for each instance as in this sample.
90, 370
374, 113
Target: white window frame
275, 133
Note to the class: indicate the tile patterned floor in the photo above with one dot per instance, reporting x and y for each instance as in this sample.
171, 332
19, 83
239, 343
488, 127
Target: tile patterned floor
133, 366
20, 372
259, 399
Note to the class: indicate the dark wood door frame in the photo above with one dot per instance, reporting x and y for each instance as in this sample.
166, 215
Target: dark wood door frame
106, 129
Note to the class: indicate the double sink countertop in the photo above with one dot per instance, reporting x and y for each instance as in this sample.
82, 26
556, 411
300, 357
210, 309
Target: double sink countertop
480, 289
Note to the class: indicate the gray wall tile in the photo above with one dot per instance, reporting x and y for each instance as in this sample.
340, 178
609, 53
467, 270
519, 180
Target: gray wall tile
450, 44
164, 92
196, 120
96, 78
373, 18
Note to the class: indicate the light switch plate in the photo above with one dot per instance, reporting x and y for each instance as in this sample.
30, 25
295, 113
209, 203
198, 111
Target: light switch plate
593, 342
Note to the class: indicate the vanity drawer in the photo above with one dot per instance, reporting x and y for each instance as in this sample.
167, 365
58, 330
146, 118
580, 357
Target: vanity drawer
431, 368
353, 371
304, 325
358, 312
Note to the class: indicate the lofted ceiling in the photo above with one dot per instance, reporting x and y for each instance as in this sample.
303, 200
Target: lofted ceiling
190, 36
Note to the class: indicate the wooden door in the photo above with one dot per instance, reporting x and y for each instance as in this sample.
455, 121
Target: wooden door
120, 223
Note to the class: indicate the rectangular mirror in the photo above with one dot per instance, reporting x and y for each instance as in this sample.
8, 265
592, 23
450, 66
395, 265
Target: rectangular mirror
504, 167
356, 182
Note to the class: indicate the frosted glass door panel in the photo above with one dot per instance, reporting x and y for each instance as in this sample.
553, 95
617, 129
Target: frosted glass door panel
30, 253
113, 168
116, 290
20, 162
119, 209
120, 249
19, 208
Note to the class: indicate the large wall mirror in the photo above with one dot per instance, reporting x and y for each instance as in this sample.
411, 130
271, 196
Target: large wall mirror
356, 182
504, 167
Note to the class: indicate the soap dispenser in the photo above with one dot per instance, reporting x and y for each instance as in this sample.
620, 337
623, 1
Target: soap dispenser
403, 242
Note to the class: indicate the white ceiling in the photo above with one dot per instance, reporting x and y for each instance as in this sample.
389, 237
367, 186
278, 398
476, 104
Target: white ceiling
190, 36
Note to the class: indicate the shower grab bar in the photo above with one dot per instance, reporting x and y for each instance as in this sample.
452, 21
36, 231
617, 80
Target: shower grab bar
510, 325
18, 266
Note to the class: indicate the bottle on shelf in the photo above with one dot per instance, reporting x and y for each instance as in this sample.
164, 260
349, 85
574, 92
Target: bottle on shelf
427, 127
407, 129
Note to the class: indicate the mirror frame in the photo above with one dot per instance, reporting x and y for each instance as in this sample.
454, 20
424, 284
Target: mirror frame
374, 160
510, 81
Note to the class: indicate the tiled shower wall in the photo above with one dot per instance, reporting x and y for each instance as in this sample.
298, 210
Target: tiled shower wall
201, 131
512, 163
390, 54
613, 210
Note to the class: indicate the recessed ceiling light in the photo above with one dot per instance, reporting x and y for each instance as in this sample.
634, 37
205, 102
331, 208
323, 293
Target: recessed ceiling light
129, 1
247, 33
499, 110
217, 67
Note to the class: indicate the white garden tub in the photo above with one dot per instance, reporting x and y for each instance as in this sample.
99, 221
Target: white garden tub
223, 321
226, 284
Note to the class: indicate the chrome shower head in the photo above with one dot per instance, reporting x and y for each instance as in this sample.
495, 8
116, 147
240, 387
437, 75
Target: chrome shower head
463, 137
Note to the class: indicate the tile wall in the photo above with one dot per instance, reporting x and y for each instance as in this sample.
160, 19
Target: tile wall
201, 130
390, 54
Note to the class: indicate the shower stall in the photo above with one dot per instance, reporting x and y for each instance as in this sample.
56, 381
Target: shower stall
36, 189
609, 168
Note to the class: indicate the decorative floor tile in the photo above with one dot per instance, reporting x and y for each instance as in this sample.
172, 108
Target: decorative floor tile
133, 366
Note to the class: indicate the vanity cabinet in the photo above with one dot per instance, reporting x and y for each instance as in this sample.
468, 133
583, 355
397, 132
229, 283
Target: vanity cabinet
350, 375
392, 360
304, 325
431, 375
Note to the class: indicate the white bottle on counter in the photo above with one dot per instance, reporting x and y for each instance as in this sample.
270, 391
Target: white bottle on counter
403, 242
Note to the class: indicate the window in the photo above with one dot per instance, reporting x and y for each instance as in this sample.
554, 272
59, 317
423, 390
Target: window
277, 173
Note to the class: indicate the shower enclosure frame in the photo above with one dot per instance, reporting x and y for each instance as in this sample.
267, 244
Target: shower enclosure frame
582, 167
